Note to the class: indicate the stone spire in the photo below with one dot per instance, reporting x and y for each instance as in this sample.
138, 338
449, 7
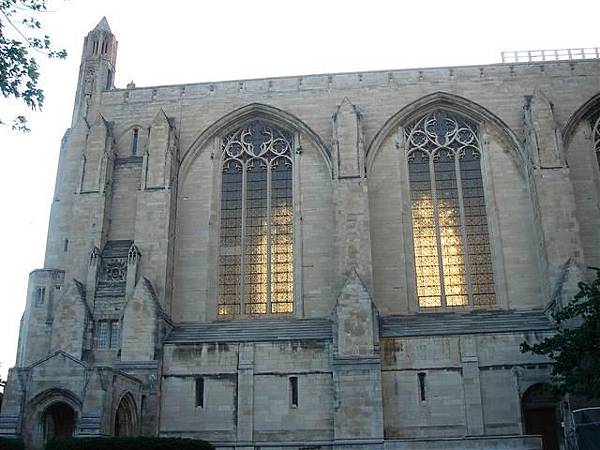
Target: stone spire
97, 70
103, 25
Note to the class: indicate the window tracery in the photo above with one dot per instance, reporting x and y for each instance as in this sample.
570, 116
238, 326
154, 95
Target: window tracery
596, 135
256, 231
450, 231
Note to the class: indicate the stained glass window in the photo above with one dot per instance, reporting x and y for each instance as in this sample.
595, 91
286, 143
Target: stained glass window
256, 231
596, 135
450, 232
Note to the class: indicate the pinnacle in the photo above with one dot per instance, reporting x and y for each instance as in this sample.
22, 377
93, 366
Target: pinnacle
103, 25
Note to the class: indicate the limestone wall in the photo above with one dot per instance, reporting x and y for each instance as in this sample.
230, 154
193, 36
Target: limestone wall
312, 100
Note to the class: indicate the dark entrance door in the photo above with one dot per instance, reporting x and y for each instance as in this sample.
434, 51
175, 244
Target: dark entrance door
540, 415
59, 421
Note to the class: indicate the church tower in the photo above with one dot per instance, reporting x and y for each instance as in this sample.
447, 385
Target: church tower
97, 69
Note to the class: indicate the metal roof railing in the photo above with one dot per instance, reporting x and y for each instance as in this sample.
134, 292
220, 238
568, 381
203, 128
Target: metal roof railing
565, 54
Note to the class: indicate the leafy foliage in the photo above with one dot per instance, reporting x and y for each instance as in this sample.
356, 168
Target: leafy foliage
575, 350
20, 34
128, 443
11, 444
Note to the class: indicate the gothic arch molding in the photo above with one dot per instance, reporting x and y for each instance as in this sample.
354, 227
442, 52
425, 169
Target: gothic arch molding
128, 128
454, 103
246, 113
592, 105
46, 403
46, 398
125, 421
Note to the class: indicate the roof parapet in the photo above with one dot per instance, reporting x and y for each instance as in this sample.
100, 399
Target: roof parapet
565, 54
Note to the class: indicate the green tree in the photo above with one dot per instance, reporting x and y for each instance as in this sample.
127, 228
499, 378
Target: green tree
575, 348
20, 35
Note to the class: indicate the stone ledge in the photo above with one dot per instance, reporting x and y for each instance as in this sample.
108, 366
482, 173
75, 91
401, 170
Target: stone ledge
458, 323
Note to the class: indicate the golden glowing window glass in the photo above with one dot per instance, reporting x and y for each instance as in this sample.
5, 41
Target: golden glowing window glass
450, 233
256, 248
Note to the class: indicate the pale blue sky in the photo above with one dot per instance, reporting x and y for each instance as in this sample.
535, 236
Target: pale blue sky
183, 41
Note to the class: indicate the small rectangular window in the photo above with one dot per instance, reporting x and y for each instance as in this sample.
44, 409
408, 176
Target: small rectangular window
293, 392
421, 376
200, 392
40, 296
103, 331
114, 334
66, 246
134, 142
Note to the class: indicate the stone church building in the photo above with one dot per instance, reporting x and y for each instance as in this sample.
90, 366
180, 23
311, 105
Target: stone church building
343, 261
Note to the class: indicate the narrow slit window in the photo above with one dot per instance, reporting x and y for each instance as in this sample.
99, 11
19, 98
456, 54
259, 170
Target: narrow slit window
200, 392
293, 392
95, 47
40, 296
66, 246
421, 378
109, 79
134, 141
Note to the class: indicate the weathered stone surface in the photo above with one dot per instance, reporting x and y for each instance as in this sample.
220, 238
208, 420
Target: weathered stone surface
136, 216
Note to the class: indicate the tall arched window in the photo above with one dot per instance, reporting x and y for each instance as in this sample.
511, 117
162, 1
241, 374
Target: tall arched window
596, 135
256, 230
450, 231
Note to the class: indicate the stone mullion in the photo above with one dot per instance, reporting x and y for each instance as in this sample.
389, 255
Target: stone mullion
438, 234
463, 228
298, 305
243, 239
268, 250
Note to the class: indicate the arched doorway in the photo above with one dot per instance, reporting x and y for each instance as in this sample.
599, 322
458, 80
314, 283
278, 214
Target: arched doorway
541, 414
126, 417
58, 421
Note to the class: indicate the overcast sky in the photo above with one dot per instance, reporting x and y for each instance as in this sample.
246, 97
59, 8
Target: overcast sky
183, 41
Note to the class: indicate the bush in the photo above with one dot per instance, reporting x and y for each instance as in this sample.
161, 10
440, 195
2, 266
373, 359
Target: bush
11, 444
127, 443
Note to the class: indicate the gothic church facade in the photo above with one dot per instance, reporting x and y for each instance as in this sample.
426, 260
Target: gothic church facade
342, 261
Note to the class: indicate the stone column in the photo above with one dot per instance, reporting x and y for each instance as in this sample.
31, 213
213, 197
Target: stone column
358, 410
245, 397
554, 200
472, 386
353, 241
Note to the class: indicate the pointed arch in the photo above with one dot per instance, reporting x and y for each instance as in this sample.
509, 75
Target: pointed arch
126, 416
48, 397
453, 103
127, 129
54, 412
582, 113
252, 111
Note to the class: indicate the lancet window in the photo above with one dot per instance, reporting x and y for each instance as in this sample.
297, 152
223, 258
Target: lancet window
256, 229
596, 136
450, 231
